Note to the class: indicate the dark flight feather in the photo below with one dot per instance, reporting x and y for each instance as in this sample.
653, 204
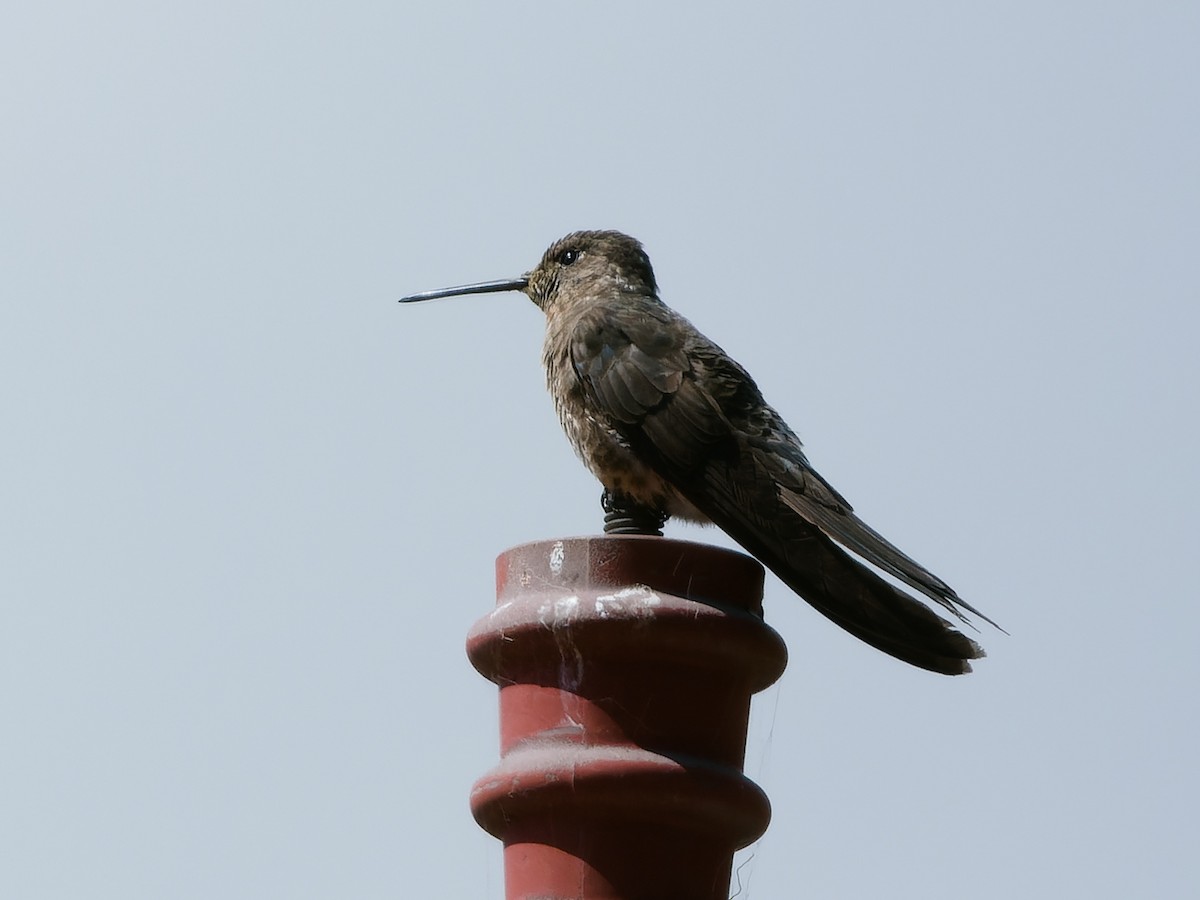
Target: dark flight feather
699, 421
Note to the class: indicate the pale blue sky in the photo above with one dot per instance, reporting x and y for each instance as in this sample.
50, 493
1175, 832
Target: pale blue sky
249, 505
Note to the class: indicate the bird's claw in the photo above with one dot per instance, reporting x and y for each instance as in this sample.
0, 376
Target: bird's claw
623, 516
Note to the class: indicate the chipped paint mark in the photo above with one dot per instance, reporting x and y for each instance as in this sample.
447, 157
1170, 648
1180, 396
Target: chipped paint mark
557, 555
636, 596
550, 612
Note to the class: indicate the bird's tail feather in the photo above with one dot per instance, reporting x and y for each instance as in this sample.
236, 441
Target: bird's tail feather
849, 530
858, 600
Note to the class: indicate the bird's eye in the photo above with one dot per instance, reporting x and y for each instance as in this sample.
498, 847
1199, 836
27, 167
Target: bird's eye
568, 256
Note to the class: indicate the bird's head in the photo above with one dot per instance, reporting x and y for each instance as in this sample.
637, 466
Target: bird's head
575, 269
590, 264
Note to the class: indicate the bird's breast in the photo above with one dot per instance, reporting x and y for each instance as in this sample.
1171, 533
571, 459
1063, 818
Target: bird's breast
601, 447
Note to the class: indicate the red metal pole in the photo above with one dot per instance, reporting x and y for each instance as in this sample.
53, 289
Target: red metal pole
625, 666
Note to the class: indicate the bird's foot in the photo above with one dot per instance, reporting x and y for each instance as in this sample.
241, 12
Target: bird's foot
624, 516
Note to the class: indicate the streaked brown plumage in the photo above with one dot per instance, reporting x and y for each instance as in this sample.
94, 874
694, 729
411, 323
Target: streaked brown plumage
667, 421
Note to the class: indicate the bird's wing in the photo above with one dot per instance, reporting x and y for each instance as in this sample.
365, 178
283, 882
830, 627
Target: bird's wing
636, 371
697, 418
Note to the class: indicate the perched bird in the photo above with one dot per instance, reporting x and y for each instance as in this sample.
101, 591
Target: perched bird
672, 426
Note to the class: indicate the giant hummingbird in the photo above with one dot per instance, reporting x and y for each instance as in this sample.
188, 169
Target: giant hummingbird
672, 426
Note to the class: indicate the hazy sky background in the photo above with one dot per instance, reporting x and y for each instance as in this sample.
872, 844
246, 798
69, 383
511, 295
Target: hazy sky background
249, 505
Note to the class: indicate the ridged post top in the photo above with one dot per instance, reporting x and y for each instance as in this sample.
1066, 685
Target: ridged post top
625, 667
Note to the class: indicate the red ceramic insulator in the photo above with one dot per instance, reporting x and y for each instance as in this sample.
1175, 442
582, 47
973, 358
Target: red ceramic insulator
625, 666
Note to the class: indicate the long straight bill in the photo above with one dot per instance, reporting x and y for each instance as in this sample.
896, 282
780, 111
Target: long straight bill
484, 287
